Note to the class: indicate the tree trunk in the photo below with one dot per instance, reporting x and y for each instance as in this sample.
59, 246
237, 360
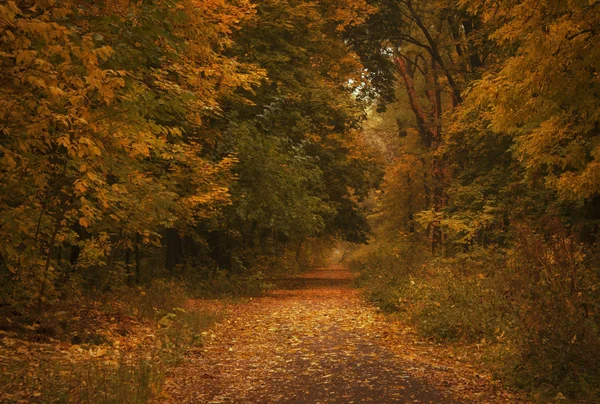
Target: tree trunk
299, 249
44, 281
411, 215
128, 266
138, 260
408, 78
173, 255
435, 53
474, 57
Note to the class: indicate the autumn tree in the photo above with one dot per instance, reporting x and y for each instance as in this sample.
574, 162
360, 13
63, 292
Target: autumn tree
298, 175
426, 48
102, 121
514, 163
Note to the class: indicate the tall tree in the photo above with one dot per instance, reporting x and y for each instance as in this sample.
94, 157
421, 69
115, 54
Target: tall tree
298, 177
102, 111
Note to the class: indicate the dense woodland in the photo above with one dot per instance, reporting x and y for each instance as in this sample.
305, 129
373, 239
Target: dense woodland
212, 143
145, 138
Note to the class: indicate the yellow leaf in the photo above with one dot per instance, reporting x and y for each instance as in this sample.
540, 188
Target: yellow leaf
81, 186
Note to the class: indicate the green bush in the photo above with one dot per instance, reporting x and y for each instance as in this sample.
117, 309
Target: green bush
448, 306
457, 299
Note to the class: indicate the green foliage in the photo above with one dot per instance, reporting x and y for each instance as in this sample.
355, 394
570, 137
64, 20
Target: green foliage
308, 110
275, 192
386, 271
473, 309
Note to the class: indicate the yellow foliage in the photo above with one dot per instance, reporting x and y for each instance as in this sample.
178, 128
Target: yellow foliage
93, 138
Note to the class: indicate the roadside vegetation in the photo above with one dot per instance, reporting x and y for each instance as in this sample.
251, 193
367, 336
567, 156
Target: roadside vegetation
485, 229
112, 350
494, 308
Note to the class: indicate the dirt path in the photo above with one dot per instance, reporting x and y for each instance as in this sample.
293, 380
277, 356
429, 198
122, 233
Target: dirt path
315, 341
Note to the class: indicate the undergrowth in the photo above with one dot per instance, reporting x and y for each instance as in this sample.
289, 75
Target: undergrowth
253, 273
111, 351
532, 312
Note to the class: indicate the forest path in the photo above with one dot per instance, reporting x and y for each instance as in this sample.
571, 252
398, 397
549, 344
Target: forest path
314, 340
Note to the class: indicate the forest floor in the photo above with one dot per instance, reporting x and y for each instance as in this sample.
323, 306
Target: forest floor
314, 340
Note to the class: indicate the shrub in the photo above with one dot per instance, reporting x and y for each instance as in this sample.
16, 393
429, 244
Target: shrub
161, 296
539, 300
97, 380
384, 272
556, 282
448, 305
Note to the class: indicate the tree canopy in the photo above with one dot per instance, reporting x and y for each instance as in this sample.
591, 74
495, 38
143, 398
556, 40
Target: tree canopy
187, 129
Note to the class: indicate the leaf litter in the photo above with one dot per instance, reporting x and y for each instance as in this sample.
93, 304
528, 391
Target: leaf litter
314, 340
